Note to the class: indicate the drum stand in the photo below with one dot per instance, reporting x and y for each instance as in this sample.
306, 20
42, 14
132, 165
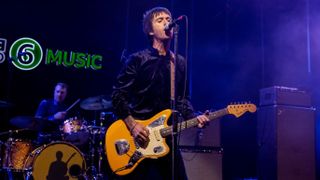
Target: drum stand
95, 137
7, 161
7, 158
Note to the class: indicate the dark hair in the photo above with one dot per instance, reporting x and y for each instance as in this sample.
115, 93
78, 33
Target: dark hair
148, 17
63, 85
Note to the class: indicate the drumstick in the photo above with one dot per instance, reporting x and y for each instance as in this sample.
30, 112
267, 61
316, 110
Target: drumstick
72, 105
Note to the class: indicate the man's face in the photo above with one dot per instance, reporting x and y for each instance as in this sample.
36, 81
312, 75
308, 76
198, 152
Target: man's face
60, 93
159, 22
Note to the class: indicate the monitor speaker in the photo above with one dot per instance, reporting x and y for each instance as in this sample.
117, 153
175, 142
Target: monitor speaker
286, 141
201, 152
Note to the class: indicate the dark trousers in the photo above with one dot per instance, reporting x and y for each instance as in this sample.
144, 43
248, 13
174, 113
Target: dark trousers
157, 169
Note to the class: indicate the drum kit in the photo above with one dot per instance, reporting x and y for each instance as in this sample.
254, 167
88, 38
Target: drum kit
77, 154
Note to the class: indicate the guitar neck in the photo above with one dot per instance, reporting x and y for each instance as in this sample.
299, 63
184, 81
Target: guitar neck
192, 122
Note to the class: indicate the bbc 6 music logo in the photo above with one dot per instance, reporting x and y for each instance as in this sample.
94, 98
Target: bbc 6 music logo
25, 53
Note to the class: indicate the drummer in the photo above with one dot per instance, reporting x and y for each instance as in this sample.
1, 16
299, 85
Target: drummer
53, 111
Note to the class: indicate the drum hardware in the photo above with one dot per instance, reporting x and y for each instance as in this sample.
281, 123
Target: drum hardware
96, 103
96, 149
18, 150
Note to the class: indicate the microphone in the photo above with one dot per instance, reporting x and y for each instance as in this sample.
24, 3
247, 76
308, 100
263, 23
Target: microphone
169, 26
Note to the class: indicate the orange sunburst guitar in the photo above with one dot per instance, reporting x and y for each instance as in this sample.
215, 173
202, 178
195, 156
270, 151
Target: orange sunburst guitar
124, 153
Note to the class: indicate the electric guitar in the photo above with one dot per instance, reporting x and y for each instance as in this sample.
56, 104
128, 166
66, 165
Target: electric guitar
124, 153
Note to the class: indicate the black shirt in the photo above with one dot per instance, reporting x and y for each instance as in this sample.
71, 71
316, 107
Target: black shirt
143, 86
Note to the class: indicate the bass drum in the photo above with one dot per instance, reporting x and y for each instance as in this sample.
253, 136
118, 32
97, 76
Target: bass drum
58, 160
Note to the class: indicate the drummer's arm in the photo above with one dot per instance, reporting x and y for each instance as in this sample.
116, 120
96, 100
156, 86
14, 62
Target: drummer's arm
41, 111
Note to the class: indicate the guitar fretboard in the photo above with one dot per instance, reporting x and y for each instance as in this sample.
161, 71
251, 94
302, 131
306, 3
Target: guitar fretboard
192, 122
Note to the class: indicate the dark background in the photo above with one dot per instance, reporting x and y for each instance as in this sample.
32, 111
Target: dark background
236, 47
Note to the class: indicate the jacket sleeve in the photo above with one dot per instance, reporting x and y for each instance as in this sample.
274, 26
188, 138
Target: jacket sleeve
124, 84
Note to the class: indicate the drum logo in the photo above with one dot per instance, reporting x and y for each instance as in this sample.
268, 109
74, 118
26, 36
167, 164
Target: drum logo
25, 53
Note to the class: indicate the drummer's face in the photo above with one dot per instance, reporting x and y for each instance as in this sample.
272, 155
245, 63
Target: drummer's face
60, 93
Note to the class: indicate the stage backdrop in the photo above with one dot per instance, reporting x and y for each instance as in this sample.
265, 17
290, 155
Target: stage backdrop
236, 47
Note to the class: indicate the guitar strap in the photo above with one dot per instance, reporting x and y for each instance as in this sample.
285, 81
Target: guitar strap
172, 77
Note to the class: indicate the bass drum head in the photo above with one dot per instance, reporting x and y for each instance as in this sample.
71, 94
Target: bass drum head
59, 160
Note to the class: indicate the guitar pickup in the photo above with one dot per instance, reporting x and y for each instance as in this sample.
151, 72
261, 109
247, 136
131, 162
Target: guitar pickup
122, 146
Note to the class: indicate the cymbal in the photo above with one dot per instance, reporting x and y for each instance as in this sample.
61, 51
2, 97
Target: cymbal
4, 104
24, 133
14, 131
31, 123
96, 103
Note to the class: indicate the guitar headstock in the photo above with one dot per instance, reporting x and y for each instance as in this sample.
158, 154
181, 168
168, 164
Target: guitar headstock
239, 109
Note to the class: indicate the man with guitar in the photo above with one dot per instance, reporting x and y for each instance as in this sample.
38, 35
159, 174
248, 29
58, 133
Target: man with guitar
142, 90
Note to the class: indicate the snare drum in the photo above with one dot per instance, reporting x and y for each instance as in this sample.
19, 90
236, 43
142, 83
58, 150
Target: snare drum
73, 125
58, 160
75, 131
16, 152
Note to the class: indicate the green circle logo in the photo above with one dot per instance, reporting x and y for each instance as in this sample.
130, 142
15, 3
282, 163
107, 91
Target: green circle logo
25, 53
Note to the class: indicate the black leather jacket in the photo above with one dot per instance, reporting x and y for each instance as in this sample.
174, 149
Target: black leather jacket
143, 86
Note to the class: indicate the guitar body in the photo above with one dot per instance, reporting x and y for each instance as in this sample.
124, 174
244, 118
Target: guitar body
124, 154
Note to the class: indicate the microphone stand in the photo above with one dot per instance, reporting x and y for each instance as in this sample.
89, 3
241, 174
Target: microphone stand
173, 100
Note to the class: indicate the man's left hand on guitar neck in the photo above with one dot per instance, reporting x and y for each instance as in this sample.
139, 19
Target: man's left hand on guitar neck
203, 119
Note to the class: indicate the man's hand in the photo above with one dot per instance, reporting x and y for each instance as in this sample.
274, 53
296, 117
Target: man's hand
140, 132
60, 115
203, 119
137, 130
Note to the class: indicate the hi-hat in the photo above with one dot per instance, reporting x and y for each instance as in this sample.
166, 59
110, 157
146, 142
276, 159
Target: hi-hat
96, 103
4, 104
